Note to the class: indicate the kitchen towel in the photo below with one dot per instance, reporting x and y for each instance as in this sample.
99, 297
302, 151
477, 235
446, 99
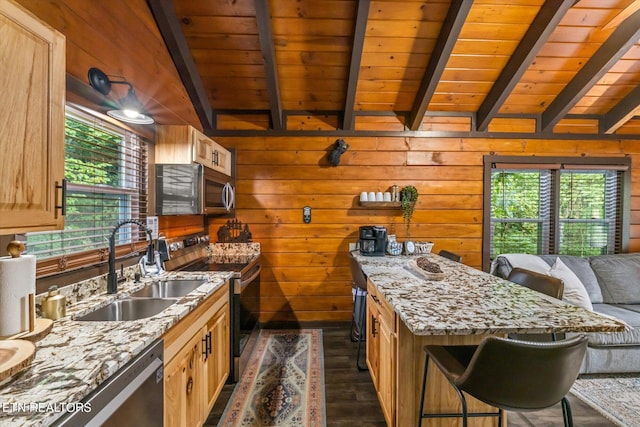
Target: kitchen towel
17, 281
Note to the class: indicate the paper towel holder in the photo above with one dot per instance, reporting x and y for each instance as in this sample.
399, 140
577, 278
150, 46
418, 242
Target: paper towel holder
15, 248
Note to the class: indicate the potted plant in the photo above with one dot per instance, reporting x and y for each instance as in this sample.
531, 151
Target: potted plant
408, 198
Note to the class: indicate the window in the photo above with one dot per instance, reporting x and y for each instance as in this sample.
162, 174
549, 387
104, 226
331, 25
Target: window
106, 173
567, 206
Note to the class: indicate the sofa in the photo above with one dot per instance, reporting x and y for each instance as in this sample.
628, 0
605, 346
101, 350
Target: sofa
612, 283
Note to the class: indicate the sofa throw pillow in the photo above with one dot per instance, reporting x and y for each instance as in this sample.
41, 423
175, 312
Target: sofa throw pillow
574, 291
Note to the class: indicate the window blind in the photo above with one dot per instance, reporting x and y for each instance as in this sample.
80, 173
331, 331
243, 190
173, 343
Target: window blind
555, 206
106, 171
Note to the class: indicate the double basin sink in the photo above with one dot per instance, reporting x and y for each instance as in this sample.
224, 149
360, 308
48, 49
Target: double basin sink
146, 302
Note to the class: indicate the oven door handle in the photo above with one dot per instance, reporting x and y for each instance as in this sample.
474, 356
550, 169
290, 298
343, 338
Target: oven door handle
244, 282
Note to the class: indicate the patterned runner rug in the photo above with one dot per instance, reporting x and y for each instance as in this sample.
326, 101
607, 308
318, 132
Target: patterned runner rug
616, 398
283, 384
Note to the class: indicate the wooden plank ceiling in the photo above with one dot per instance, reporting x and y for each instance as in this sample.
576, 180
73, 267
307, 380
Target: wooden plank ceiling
346, 65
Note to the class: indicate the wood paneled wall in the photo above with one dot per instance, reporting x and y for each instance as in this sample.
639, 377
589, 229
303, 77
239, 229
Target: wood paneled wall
306, 275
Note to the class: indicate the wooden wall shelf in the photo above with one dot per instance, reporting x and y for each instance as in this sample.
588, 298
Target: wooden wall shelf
380, 204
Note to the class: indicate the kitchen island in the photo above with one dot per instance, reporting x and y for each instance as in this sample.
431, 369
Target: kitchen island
78, 356
405, 312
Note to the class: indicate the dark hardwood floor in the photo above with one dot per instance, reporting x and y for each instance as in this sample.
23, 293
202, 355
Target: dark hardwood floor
351, 399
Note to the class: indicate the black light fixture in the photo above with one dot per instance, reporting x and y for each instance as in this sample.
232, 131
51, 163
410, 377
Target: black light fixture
131, 110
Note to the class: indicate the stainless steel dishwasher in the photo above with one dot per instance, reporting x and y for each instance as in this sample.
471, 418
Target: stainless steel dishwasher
132, 396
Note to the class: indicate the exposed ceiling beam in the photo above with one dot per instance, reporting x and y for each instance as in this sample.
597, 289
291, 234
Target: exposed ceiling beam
265, 34
539, 31
626, 12
348, 120
620, 41
165, 16
622, 112
458, 11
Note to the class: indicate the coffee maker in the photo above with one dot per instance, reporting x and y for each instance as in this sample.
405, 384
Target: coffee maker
373, 240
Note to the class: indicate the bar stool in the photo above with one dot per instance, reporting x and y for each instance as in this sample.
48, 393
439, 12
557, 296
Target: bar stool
508, 374
450, 255
359, 303
539, 282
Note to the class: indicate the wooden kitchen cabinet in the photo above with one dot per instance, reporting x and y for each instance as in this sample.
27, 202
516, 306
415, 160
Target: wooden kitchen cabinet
381, 350
217, 363
186, 144
182, 384
196, 360
32, 66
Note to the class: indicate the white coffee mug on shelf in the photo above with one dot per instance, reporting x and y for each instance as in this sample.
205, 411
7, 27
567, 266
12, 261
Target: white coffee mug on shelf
387, 197
372, 196
379, 196
363, 197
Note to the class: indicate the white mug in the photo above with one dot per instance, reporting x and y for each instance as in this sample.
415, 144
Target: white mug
387, 196
363, 197
372, 196
379, 197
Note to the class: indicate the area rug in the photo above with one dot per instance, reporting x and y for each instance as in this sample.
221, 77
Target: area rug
616, 398
283, 384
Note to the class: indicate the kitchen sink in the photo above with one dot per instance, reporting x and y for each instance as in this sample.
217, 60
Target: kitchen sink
168, 288
129, 309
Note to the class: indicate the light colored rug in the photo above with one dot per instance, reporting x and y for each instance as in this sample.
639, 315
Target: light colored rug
283, 384
616, 398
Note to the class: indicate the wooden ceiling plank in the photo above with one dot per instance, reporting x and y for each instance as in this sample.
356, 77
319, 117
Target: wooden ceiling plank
539, 31
620, 41
622, 112
169, 26
359, 31
458, 11
265, 33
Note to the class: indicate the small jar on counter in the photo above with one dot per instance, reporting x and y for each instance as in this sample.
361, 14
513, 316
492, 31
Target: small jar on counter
54, 304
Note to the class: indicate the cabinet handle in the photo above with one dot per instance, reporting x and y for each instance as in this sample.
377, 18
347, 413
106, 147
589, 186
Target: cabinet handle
206, 346
189, 386
216, 160
63, 205
374, 331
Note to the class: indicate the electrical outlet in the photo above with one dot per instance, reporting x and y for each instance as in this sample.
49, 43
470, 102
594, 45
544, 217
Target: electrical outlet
306, 214
152, 224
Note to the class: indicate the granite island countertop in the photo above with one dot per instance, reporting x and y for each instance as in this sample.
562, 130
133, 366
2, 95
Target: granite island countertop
77, 356
471, 302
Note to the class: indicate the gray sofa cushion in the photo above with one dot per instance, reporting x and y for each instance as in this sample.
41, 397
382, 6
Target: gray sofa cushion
619, 277
581, 267
629, 337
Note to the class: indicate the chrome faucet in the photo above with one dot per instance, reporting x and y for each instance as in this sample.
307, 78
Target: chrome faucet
112, 276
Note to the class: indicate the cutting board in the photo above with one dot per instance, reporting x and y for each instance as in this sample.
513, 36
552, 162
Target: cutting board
15, 356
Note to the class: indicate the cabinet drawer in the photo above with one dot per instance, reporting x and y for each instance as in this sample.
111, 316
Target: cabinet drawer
382, 304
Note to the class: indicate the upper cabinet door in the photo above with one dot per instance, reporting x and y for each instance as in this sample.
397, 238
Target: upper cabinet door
32, 78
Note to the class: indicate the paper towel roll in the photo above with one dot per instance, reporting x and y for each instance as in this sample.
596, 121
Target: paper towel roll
17, 281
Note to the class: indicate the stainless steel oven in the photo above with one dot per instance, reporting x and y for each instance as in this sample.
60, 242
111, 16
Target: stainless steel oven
192, 190
189, 253
244, 307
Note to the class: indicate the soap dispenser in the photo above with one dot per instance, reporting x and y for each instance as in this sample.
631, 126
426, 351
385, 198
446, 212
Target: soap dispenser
54, 304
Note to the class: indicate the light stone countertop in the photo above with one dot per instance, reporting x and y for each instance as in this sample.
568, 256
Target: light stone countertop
76, 356
471, 302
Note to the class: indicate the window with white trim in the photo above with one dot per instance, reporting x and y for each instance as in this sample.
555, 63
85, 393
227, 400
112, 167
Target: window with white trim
554, 205
106, 173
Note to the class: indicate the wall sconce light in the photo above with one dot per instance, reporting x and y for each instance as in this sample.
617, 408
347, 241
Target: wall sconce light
131, 110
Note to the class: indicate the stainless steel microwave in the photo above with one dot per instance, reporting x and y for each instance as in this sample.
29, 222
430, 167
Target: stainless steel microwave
192, 190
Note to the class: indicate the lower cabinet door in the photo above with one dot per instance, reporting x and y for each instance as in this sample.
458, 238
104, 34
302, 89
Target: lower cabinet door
386, 375
217, 359
183, 386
